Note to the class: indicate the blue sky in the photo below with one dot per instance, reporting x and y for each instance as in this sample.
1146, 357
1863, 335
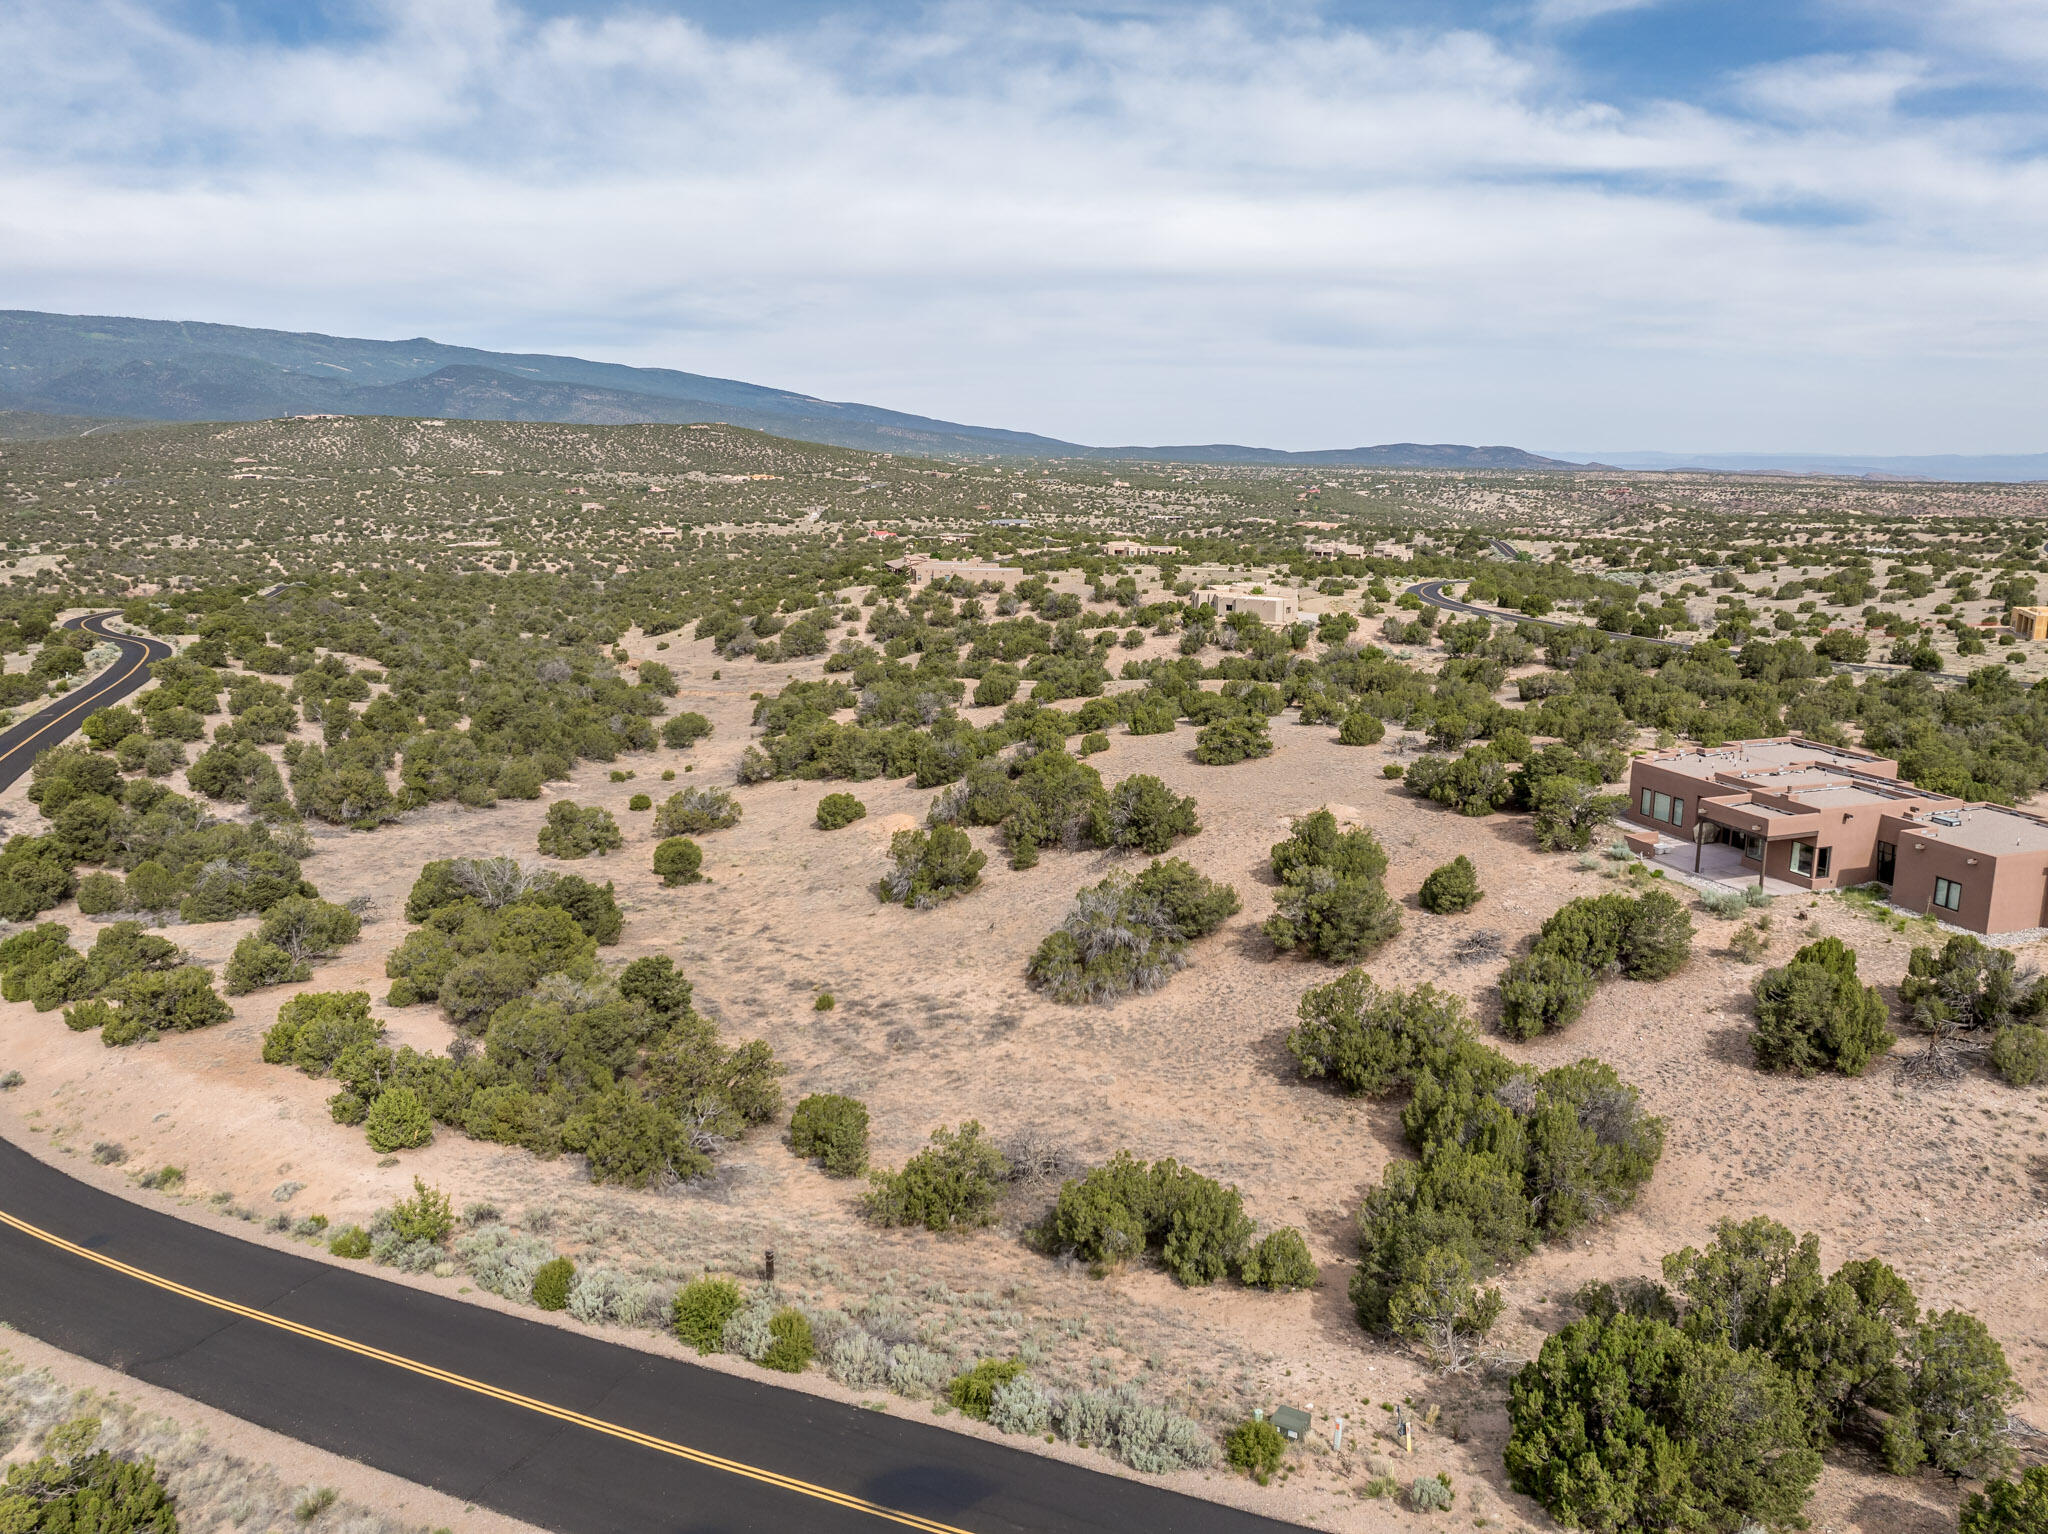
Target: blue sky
1804, 225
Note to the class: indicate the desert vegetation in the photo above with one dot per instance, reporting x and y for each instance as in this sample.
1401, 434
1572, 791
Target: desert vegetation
1050, 1160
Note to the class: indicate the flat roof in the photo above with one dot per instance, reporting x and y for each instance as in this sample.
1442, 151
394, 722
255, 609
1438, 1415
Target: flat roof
1991, 829
1848, 793
1759, 755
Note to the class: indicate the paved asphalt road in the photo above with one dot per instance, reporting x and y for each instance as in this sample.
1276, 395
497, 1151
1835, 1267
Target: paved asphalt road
21, 745
1433, 593
551, 1426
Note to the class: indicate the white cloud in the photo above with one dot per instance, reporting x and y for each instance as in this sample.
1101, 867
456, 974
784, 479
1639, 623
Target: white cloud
1557, 13
1153, 228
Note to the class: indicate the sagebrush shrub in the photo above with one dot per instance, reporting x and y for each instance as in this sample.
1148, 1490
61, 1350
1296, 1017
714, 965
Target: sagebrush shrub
606, 1297
1019, 1406
857, 1360
747, 1333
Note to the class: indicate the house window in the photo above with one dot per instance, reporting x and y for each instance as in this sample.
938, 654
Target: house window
1752, 847
1663, 807
1802, 857
1948, 894
1812, 861
1887, 862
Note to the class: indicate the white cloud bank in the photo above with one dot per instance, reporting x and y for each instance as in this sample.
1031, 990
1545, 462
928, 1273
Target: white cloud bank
1184, 228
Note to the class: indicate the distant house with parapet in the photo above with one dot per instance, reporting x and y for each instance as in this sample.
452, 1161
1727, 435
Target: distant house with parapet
1828, 817
1329, 548
1269, 608
1133, 550
922, 568
2029, 622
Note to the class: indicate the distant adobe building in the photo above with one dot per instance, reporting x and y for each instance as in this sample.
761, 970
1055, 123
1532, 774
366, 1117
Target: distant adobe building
1827, 817
2029, 622
1269, 608
1129, 550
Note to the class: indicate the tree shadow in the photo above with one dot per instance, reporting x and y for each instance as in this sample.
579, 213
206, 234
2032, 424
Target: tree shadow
1896, 1515
1249, 942
1732, 1046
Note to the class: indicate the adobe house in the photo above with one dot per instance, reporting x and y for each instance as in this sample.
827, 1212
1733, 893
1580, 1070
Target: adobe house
1817, 817
2028, 622
1270, 608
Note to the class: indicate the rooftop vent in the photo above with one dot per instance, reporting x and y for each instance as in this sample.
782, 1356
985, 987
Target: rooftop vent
1947, 817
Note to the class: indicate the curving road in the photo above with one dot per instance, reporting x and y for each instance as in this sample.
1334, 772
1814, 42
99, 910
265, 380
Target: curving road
24, 742
559, 1428
1433, 593
556, 1427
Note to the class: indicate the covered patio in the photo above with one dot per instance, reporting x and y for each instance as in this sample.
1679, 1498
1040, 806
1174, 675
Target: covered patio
1720, 865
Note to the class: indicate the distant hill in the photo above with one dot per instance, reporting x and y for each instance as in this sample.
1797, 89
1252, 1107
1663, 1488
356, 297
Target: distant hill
1951, 467
96, 366
33, 426
1393, 455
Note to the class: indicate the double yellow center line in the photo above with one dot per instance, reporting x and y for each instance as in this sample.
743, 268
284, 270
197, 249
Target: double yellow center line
493, 1392
106, 680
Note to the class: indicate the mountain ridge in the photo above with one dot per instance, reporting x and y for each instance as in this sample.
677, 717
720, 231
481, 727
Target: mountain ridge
108, 366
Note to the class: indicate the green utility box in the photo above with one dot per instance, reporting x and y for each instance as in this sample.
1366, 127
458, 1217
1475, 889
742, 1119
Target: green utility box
1292, 1421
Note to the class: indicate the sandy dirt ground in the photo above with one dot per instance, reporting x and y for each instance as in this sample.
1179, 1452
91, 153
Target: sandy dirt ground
933, 1024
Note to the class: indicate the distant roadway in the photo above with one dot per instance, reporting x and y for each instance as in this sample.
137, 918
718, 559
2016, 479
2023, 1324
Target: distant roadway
24, 742
556, 1427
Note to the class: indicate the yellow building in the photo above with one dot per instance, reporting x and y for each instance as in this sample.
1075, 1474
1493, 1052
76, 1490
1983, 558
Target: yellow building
2029, 622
